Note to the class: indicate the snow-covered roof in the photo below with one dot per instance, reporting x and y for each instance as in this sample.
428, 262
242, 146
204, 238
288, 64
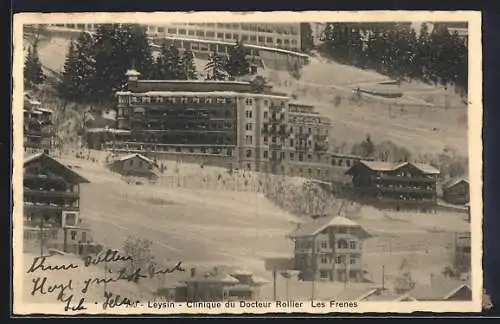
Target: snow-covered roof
391, 166
200, 94
317, 225
130, 156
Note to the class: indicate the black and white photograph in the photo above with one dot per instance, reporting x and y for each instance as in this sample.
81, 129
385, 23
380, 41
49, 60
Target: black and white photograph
247, 163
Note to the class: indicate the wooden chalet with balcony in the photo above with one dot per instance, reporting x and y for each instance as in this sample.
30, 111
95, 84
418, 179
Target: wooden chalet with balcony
404, 185
52, 205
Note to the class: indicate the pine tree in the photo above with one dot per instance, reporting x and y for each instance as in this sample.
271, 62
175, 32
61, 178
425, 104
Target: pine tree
216, 67
238, 65
117, 49
189, 67
79, 70
33, 73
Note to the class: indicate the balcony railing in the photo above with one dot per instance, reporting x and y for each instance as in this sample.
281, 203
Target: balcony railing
401, 178
35, 207
50, 193
406, 189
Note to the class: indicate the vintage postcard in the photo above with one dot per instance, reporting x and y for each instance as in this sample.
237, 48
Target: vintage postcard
229, 162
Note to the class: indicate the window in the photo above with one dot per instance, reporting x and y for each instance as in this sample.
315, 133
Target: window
229, 152
248, 139
253, 38
266, 140
73, 235
248, 101
220, 35
273, 139
352, 260
342, 244
200, 33
324, 244
266, 103
292, 156
182, 31
269, 40
84, 237
208, 100
323, 274
248, 113
191, 32
309, 171
333, 162
348, 163
244, 37
261, 39
352, 245
301, 157
249, 153
210, 34
248, 127
338, 259
287, 41
282, 157
249, 166
309, 157
265, 155
265, 114
309, 131
228, 35
324, 259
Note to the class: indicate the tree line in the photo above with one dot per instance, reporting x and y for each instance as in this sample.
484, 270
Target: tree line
96, 64
395, 49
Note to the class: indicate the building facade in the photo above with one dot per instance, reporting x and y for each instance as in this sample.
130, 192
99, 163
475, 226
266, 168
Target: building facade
38, 124
52, 205
235, 124
396, 185
329, 249
456, 192
284, 36
135, 165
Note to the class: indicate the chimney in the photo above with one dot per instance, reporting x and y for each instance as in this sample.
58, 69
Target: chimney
132, 78
193, 272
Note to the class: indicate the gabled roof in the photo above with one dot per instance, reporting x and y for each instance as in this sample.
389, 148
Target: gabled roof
379, 166
63, 169
355, 293
214, 278
317, 225
133, 155
453, 182
441, 289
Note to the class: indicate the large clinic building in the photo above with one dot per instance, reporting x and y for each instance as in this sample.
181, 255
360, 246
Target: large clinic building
236, 124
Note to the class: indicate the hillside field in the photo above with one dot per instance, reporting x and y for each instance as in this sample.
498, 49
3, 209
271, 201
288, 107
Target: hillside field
220, 226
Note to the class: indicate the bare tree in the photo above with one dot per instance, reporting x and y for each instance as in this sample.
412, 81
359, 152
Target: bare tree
140, 251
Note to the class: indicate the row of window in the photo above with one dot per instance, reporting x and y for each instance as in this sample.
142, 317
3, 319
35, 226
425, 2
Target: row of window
125, 99
265, 28
339, 259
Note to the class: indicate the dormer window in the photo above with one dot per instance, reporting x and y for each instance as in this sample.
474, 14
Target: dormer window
196, 100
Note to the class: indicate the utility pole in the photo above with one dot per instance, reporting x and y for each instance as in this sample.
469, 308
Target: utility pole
383, 277
274, 283
42, 235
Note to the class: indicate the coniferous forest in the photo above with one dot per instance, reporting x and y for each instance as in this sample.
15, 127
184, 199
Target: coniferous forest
399, 51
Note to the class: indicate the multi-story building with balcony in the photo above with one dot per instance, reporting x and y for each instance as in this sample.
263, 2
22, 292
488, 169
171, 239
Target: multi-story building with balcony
309, 134
275, 45
330, 249
396, 185
237, 124
38, 126
226, 123
52, 205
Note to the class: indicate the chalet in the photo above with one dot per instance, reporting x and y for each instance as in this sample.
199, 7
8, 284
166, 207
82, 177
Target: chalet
135, 165
371, 294
329, 249
52, 205
398, 185
442, 289
38, 128
215, 285
456, 191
